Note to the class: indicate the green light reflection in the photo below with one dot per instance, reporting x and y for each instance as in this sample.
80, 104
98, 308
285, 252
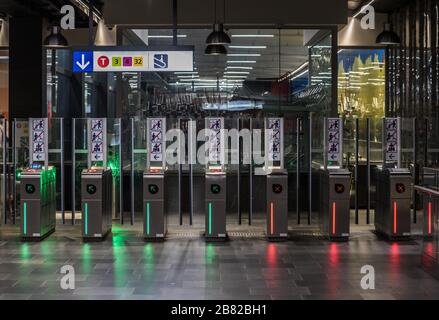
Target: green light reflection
120, 257
86, 258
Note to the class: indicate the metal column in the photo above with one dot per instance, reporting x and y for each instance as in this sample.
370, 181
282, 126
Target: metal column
72, 218
357, 137
415, 168
239, 174
132, 171
250, 175
14, 162
368, 170
4, 191
63, 213
120, 173
310, 170
298, 169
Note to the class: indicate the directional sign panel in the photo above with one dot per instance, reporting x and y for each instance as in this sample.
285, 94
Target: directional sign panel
38, 138
157, 142
132, 61
391, 139
216, 139
97, 139
334, 127
274, 139
82, 61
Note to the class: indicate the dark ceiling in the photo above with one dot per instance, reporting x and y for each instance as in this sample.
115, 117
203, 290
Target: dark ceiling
47, 8
51, 8
384, 6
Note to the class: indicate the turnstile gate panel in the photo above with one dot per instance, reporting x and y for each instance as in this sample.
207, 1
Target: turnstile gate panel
154, 222
277, 205
97, 202
393, 202
334, 213
38, 202
215, 206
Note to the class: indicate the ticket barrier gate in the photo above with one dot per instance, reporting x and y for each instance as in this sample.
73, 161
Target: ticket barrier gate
430, 201
392, 203
430, 207
38, 200
154, 223
277, 205
334, 219
215, 206
97, 201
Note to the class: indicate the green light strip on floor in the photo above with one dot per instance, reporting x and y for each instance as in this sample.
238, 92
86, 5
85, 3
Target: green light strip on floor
147, 217
86, 218
210, 218
24, 218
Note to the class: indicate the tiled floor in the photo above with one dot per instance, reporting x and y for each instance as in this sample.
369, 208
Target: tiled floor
185, 267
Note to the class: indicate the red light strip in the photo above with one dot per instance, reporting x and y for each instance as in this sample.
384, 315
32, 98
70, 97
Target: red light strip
334, 210
429, 217
272, 217
394, 217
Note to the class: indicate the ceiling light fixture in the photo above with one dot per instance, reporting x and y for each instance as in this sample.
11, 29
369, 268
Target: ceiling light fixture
239, 67
236, 72
104, 36
215, 50
217, 36
166, 36
388, 36
4, 34
248, 47
241, 61
55, 39
243, 54
252, 35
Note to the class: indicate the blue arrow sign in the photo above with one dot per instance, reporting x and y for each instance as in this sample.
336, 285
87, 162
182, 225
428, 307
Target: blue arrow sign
82, 61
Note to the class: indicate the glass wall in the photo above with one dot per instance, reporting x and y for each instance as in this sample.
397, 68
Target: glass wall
361, 83
320, 72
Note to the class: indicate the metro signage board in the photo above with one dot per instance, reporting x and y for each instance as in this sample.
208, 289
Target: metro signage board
133, 61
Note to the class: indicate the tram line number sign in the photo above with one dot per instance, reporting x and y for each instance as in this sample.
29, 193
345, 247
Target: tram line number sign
38, 138
157, 131
132, 61
334, 139
97, 132
391, 139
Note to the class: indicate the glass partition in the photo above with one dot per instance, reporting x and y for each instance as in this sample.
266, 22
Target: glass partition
56, 153
81, 159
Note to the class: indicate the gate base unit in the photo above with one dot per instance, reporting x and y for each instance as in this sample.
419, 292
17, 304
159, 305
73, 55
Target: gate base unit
154, 222
393, 203
277, 205
215, 206
97, 203
38, 202
335, 213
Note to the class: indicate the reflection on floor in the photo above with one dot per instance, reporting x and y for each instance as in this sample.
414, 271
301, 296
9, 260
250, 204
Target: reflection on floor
185, 267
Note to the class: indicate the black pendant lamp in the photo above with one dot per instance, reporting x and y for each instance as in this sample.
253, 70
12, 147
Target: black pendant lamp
217, 38
215, 49
55, 38
388, 36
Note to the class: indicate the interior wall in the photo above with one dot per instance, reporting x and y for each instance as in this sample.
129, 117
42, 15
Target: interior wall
412, 74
